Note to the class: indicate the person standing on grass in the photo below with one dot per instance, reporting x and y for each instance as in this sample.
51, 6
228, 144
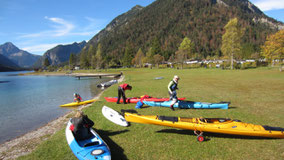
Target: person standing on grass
121, 92
172, 87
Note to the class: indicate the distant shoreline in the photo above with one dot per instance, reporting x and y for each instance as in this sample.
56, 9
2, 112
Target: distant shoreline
27, 142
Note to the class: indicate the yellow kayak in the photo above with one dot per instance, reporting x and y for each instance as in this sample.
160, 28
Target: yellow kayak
78, 103
215, 125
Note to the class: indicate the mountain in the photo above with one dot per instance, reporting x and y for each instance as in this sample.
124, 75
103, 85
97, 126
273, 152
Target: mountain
60, 53
170, 21
7, 65
22, 58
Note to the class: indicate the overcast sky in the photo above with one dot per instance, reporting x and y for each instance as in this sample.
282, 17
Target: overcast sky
39, 25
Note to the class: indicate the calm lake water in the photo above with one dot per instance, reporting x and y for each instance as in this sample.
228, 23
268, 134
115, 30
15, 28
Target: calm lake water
28, 102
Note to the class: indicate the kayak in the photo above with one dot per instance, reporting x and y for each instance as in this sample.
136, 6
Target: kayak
92, 148
188, 104
214, 125
107, 84
78, 103
114, 116
136, 99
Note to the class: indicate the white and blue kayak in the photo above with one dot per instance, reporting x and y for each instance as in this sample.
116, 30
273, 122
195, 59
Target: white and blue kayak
91, 148
189, 104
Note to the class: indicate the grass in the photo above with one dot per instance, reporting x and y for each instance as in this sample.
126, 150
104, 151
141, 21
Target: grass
256, 96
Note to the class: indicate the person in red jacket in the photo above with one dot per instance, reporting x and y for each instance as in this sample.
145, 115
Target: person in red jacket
121, 92
77, 97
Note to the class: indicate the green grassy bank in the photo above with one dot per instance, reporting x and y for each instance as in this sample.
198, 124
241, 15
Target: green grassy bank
256, 96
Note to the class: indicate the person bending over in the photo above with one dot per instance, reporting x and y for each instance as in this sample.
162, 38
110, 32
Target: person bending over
121, 92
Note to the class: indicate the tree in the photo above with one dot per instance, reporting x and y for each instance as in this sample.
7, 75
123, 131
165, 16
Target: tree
187, 47
185, 51
91, 56
156, 48
84, 63
99, 57
180, 57
150, 56
273, 47
158, 59
231, 40
126, 61
72, 61
46, 62
138, 59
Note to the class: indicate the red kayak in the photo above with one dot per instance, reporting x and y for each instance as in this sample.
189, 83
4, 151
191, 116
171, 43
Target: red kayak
136, 99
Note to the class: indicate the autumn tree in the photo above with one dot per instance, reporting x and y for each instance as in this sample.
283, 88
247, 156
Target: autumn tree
138, 59
187, 47
158, 59
150, 56
273, 47
231, 40
185, 51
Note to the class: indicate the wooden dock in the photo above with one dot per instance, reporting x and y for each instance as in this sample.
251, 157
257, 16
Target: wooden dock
98, 75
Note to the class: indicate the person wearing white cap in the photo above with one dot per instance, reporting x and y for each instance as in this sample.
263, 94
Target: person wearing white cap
172, 87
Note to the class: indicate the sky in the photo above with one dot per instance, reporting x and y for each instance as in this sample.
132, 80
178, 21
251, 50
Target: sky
39, 25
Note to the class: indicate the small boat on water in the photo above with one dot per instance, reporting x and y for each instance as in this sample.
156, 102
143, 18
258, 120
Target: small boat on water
188, 104
78, 103
91, 148
214, 125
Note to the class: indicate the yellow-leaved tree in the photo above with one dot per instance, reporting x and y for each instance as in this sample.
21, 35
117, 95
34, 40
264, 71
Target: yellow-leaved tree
231, 40
273, 48
185, 50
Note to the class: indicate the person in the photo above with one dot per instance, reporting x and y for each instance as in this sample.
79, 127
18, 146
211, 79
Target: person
172, 87
81, 125
77, 97
121, 92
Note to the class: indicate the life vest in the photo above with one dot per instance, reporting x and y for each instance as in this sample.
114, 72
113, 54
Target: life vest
173, 86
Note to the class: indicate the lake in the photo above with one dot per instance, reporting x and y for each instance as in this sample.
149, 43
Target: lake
28, 102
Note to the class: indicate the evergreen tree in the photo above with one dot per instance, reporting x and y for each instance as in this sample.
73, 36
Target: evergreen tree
72, 61
231, 40
84, 63
99, 57
126, 61
156, 47
91, 57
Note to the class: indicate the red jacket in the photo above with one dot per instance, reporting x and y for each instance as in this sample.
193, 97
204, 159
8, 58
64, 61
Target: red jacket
125, 86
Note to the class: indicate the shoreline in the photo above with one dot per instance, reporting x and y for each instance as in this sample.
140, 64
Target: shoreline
27, 142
